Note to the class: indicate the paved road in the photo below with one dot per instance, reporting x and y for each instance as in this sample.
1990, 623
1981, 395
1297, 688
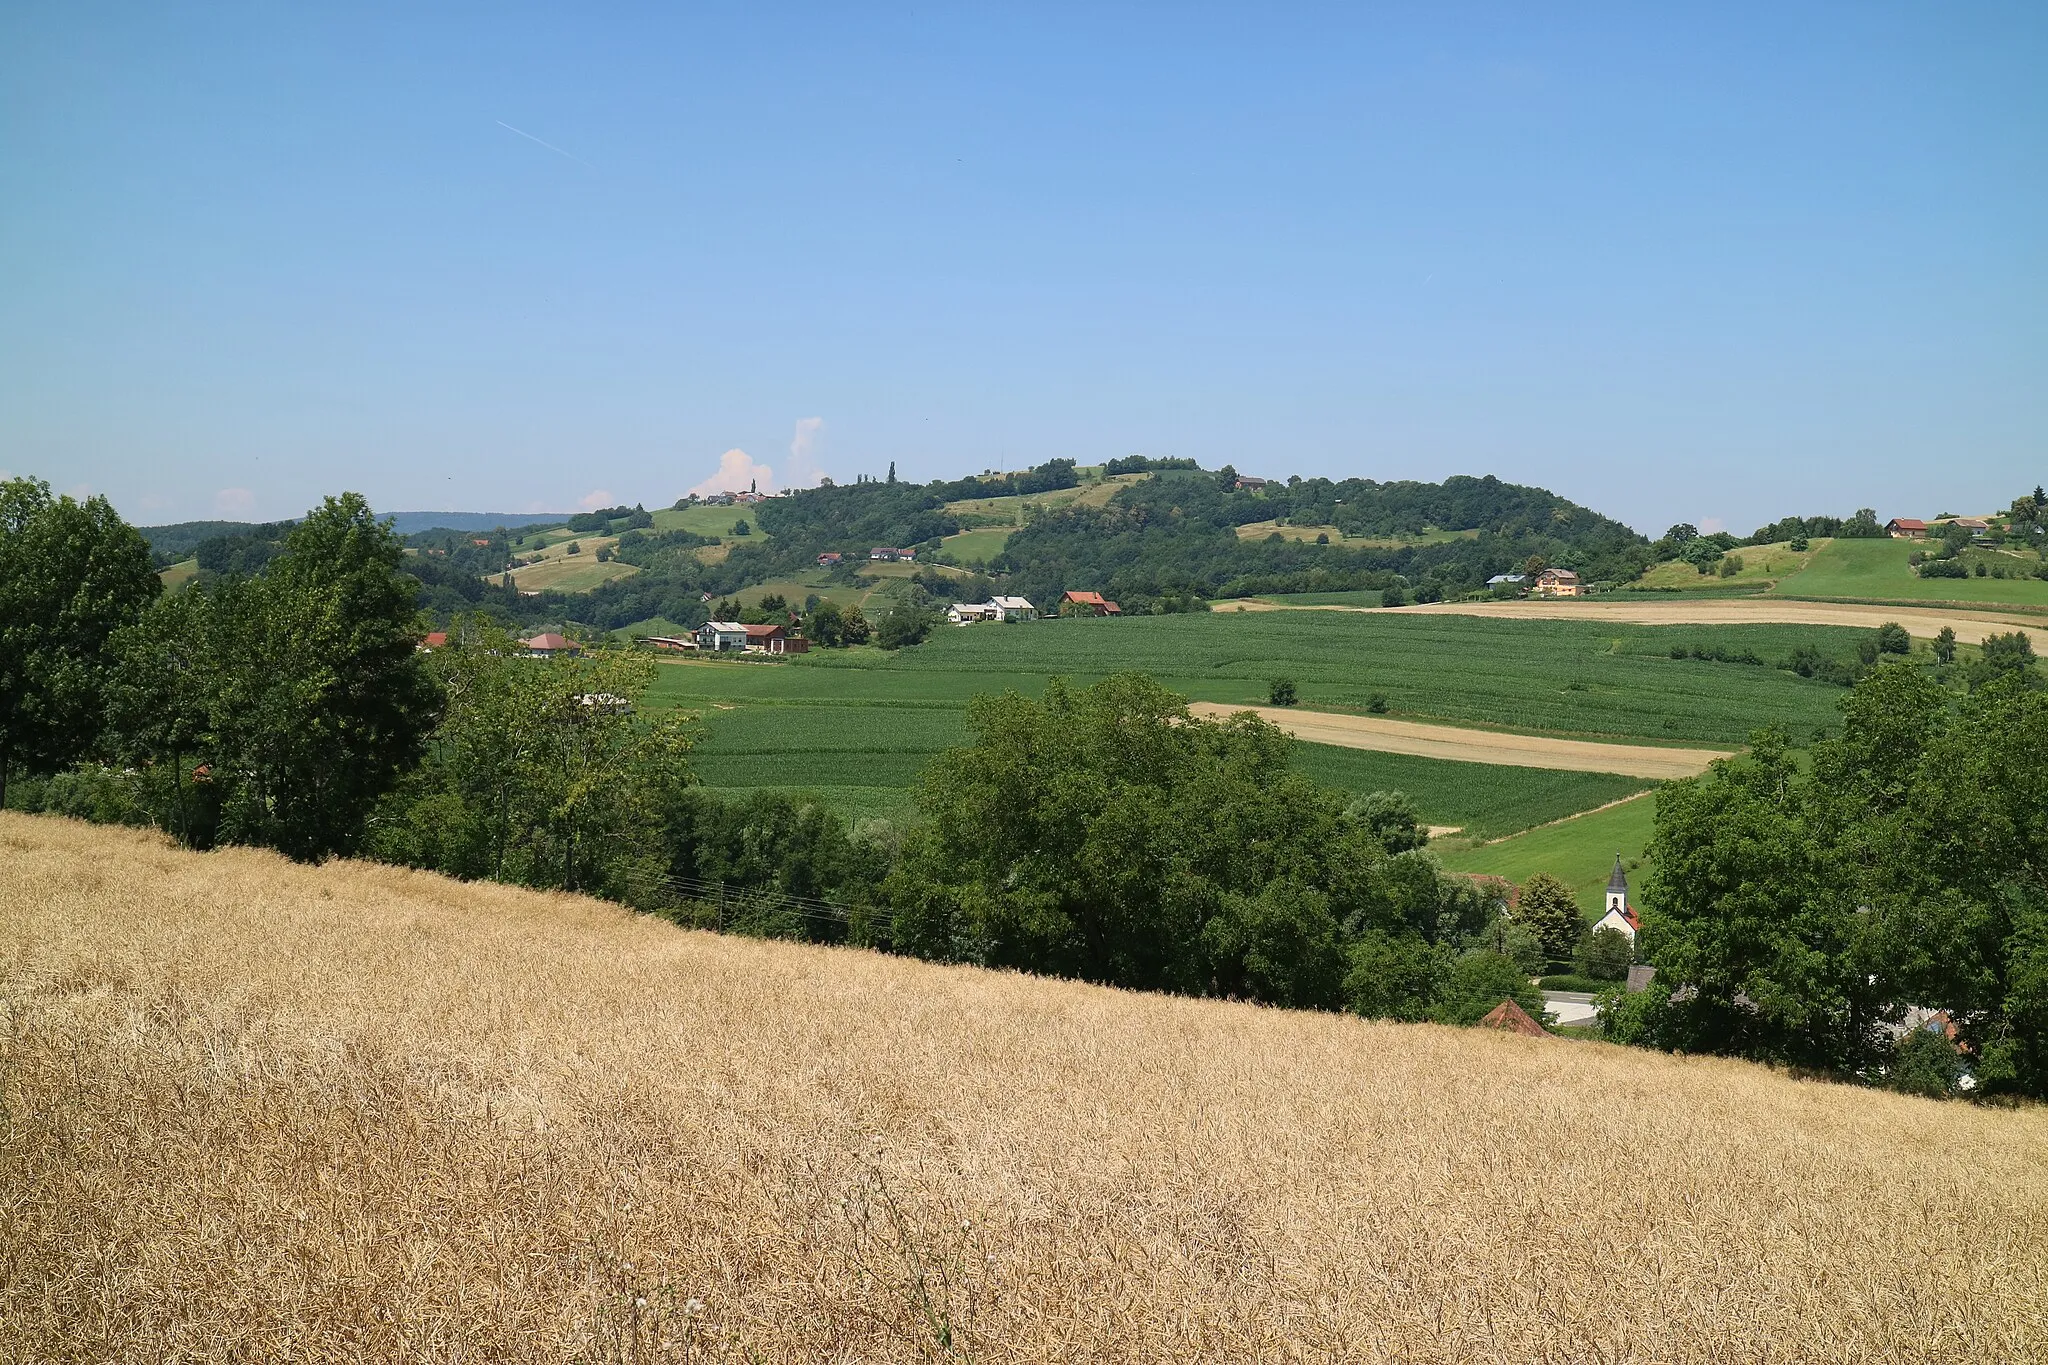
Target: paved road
1570, 1007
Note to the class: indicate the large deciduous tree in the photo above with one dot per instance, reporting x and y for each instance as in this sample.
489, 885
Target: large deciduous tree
299, 694
1797, 918
71, 575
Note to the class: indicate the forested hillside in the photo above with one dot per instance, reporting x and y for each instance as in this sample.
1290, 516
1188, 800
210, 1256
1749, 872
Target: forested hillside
1175, 537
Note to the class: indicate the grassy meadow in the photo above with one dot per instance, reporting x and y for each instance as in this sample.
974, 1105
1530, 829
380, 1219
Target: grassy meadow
1578, 852
1762, 565
1012, 510
1878, 569
259, 1110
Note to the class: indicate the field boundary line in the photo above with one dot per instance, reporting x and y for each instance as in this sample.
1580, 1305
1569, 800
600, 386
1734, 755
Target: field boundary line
1567, 819
1476, 746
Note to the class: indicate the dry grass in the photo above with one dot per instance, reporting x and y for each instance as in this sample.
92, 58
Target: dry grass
256, 1111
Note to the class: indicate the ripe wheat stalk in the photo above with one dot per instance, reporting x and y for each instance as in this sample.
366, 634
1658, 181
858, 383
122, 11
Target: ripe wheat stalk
256, 1111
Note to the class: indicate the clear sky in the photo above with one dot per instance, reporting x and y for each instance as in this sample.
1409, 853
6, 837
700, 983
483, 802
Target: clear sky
1716, 262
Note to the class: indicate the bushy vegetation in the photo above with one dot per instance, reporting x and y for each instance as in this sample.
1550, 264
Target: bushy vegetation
1795, 917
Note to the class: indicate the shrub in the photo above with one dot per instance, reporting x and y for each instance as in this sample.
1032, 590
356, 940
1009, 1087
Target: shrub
1926, 1063
1943, 568
1280, 692
1479, 981
1394, 597
1377, 703
1605, 954
1572, 981
1893, 639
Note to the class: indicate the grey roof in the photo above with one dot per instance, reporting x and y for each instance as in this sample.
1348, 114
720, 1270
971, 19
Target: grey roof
1619, 881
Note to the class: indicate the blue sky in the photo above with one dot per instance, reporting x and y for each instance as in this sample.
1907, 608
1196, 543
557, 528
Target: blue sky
1714, 263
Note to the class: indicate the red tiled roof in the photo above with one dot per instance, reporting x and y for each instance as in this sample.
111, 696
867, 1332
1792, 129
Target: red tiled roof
1512, 1018
763, 632
1909, 523
550, 640
1089, 599
435, 639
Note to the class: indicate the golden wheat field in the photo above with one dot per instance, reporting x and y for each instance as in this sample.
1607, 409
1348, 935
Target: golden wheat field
256, 1111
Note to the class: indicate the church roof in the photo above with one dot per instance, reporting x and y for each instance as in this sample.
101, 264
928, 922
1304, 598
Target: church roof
1619, 881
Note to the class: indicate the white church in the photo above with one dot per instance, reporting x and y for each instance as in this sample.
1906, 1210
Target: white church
1620, 914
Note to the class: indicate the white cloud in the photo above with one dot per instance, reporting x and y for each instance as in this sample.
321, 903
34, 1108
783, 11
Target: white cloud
595, 498
1712, 525
78, 492
737, 472
803, 466
234, 502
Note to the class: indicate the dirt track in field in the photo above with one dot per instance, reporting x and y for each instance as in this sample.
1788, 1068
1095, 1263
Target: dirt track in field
1476, 746
1922, 622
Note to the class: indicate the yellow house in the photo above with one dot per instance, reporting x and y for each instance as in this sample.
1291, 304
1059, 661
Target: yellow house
1559, 583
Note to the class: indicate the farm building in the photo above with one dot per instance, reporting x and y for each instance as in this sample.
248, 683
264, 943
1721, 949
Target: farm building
1906, 528
1501, 580
548, 644
1247, 484
1559, 583
1088, 604
1976, 526
775, 640
433, 640
1014, 608
716, 636
967, 613
830, 559
1620, 914
889, 554
673, 644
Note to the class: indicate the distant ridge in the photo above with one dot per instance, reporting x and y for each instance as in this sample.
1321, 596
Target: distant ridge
406, 523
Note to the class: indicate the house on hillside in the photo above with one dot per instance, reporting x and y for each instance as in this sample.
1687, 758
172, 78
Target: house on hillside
830, 559
721, 637
1559, 583
433, 640
1506, 580
1906, 528
671, 643
548, 644
1247, 484
967, 613
1014, 608
1088, 604
889, 554
1620, 914
1976, 526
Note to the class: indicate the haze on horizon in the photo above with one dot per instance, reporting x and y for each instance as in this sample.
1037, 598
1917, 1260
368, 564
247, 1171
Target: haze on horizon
1714, 263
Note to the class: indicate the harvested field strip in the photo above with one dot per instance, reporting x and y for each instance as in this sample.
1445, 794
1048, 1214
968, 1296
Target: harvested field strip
1479, 746
1970, 626
259, 1110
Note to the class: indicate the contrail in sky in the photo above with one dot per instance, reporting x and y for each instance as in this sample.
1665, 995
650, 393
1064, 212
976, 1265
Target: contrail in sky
543, 142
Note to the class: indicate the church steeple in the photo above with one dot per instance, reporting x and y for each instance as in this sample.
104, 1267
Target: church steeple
1617, 888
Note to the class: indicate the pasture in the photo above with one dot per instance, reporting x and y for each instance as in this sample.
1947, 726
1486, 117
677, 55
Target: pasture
179, 574
1013, 510
1260, 530
975, 547
1878, 569
259, 1110
553, 567
1578, 851
1762, 565
708, 521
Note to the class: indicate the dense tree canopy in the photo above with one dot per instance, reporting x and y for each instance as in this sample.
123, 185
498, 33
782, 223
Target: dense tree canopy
71, 575
1797, 917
